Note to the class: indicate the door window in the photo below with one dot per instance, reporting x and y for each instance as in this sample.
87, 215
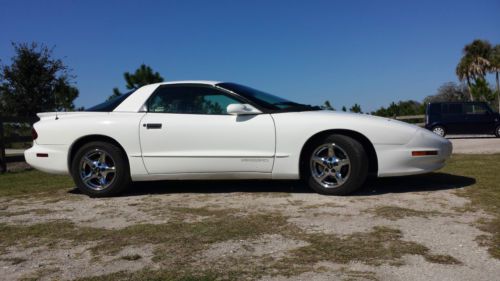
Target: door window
475, 109
190, 100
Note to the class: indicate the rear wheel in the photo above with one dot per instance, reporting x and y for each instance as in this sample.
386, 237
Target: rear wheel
497, 131
336, 165
100, 169
439, 130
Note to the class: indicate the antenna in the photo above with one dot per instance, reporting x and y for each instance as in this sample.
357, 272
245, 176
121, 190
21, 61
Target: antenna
55, 104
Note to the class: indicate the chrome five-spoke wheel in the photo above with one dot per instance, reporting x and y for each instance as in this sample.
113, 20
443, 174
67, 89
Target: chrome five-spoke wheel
97, 169
100, 169
336, 164
330, 165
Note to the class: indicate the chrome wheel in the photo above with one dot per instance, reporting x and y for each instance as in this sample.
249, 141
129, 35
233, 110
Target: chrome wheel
330, 165
97, 169
438, 131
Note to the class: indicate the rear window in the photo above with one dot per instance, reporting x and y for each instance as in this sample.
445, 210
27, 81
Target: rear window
435, 108
109, 105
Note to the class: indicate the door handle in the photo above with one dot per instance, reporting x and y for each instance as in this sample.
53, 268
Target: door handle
152, 125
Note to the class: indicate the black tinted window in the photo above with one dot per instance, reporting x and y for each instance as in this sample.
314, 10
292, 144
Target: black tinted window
435, 109
475, 108
190, 100
109, 105
454, 108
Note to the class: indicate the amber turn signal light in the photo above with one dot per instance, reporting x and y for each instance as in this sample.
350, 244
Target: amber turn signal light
424, 153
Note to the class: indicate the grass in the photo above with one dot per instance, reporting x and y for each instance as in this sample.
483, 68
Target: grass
157, 275
484, 194
133, 257
396, 213
32, 182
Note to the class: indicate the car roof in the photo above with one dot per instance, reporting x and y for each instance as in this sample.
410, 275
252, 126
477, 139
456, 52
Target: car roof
203, 82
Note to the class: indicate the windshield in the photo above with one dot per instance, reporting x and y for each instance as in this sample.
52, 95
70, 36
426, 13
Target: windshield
109, 105
265, 100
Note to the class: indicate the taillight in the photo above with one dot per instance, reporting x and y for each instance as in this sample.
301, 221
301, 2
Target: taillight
34, 134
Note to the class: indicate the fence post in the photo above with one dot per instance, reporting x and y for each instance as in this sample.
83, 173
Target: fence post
3, 162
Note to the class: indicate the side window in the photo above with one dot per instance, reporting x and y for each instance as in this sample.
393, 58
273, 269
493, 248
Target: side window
475, 108
190, 100
455, 108
435, 109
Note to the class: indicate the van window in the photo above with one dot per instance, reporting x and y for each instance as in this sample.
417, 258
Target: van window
454, 108
475, 109
435, 109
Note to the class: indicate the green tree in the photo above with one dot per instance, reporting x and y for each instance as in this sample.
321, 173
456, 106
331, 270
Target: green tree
449, 91
356, 108
144, 75
474, 63
495, 68
344, 108
327, 105
35, 82
482, 91
402, 108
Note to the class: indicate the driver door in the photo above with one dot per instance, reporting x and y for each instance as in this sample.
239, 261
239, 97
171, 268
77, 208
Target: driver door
187, 130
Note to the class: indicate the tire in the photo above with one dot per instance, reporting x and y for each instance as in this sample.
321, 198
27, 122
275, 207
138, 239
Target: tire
318, 162
497, 131
88, 163
439, 130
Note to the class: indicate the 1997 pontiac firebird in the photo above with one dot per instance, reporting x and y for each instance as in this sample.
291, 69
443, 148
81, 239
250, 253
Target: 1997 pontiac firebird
210, 130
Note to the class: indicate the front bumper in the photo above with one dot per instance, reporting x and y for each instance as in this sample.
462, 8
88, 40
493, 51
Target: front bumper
56, 161
397, 160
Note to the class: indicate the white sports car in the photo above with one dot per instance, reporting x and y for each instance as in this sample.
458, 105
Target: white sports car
210, 130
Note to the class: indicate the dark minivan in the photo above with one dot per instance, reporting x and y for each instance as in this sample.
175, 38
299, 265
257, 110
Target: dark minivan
461, 118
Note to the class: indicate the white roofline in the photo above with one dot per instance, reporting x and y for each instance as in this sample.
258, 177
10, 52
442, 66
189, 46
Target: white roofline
205, 82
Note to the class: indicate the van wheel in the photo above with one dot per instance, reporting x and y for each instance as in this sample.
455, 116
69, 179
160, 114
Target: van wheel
497, 131
439, 130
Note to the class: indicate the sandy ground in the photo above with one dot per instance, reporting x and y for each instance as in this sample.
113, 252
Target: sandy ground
475, 145
449, 231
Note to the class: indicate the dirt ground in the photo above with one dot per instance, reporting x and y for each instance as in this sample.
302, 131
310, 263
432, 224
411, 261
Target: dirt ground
429, 218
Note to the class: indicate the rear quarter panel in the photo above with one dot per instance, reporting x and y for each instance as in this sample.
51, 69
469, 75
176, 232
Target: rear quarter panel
120, 126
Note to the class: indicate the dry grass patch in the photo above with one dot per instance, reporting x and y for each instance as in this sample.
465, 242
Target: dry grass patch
381, 245
396, 213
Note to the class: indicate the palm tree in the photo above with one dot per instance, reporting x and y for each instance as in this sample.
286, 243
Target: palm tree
463, 73
495, 67
474, 64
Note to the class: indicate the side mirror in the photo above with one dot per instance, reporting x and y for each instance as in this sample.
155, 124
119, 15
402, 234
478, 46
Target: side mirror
242, 109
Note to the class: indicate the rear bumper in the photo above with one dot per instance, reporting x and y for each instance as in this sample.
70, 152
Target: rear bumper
56, 161
397, 160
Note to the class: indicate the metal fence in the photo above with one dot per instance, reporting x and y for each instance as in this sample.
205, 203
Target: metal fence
6, 140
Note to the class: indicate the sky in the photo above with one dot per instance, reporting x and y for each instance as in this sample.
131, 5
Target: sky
365, 52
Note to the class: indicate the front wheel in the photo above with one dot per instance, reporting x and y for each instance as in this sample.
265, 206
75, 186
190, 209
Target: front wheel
337, 165
100, 169
497, 131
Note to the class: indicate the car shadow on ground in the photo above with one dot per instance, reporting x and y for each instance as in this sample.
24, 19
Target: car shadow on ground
419, 183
